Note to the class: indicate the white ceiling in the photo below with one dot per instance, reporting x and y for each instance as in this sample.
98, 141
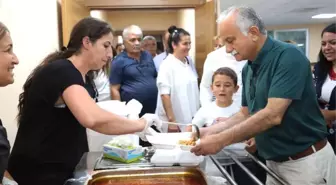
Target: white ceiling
280, 12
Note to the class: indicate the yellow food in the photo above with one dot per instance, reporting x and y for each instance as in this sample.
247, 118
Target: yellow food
190, 142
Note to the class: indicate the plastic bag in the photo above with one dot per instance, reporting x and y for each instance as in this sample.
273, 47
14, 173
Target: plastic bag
122, 142
6, 181
130, 110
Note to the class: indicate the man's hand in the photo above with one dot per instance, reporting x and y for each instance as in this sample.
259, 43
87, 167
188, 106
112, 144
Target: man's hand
329, 116
208, 145
204, 131
251, 146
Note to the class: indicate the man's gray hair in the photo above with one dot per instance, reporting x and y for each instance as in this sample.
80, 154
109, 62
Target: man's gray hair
246, 17
149, 37
132, 29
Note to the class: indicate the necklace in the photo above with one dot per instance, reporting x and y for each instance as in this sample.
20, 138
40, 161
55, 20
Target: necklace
332, 74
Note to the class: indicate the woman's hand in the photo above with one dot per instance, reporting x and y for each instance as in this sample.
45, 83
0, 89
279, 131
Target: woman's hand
147, 121
173, 128
151, 120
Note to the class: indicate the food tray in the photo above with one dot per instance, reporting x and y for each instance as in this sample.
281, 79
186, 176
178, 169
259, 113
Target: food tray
149, 176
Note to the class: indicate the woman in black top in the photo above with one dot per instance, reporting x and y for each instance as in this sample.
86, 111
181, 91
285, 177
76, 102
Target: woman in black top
8, 60
55, 108
325, 78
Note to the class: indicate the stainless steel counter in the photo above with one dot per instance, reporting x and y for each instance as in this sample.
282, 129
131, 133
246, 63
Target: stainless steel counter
214, 167
89, 160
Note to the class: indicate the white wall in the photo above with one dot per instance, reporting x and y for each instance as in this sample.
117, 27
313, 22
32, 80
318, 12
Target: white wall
186, 20
99, 14
314, 36
35, 34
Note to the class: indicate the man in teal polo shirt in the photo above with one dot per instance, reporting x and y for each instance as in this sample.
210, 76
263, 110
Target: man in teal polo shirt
279, 107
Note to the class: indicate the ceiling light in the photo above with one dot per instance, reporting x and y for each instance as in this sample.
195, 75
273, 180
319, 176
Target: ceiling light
324, 16
300, 45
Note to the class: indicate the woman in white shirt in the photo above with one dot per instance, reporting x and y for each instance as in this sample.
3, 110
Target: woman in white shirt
177, 82
101, 80
224, 85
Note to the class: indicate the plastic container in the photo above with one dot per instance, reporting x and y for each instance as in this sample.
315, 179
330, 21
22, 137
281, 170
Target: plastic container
166, 157
186, 158
163, 157
168, 140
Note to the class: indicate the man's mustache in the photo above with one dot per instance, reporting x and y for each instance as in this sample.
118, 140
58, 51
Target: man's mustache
136, 46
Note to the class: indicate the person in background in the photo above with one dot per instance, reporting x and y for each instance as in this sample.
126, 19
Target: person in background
102, 84
224, 86
101, 80
149, 44
278, 105
177, 83
120, 48
218, 42
325, 80
215, 60
114, 52
160, 57
8, 61
55, 109
133, 74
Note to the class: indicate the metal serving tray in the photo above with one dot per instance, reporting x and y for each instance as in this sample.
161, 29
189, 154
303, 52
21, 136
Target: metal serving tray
106, 164
149, 176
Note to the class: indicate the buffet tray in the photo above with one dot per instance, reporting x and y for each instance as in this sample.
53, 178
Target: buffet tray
149, 176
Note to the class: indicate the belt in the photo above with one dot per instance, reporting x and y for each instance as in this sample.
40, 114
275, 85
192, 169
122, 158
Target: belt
312, 149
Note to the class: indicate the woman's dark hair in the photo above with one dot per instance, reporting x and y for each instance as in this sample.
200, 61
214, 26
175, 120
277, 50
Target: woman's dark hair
175, 35
118, 45
227, 72
323, 63
89, 27
3, 30
106, 68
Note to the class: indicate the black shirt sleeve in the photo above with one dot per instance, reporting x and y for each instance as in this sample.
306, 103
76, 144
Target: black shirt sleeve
4, 150
53, 79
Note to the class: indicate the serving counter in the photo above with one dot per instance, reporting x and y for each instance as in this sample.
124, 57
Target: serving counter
215, 168
87, 165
